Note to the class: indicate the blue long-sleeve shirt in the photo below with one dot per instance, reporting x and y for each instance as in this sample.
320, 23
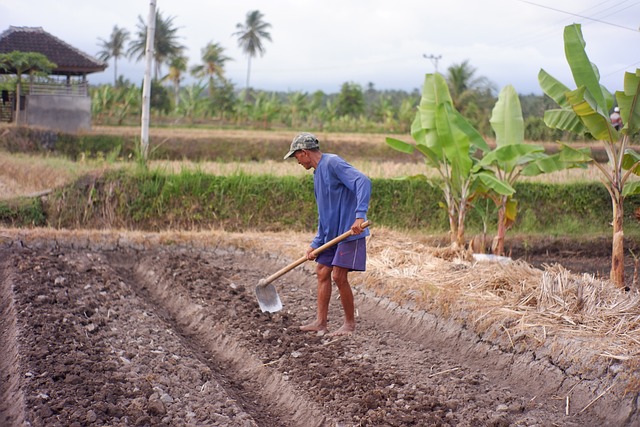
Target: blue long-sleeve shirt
342, 194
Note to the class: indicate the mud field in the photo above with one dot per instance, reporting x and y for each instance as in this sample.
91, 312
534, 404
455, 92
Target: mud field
120, 331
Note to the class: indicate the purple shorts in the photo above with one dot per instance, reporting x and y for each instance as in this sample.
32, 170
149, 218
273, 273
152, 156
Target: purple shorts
351, 255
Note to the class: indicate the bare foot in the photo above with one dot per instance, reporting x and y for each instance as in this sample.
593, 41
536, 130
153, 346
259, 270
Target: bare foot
315, 327
344, 330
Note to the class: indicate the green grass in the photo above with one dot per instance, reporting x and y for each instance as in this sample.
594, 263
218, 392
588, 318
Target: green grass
155, 200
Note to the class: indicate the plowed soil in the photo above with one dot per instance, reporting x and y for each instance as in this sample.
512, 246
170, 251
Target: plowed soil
120, 331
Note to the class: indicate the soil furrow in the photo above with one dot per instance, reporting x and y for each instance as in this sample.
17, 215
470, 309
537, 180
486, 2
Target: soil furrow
262, 392
12, 406
121, 333
93, 353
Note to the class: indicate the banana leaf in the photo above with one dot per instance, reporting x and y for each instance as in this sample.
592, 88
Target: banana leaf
630, 160
598, 124
401, 146
554, 89
496, 185
506, 118
628, 101
584, 72
564, 120
509, 156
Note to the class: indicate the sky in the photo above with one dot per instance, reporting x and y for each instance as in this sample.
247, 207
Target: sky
392, 44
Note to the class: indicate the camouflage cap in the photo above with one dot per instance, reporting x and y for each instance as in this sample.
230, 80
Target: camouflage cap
303, 141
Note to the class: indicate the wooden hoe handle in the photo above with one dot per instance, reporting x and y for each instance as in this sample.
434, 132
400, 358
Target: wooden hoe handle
315, 252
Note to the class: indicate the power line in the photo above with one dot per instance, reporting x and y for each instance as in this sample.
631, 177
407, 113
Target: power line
433, 59
580, 16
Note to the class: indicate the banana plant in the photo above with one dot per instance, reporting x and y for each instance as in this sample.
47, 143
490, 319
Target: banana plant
449, 143
585, 110
513, 158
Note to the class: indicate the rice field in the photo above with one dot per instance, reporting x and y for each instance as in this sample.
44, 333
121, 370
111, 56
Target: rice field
384, 170
21, 174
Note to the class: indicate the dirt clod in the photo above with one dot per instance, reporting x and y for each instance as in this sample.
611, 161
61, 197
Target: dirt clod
172, 335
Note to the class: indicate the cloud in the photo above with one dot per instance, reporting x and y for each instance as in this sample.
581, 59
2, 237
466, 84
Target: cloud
323, 44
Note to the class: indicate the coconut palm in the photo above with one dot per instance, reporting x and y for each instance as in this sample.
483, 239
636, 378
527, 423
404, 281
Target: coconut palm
114, 48
298, 107
165, 42
250, 35
212, 66
177, 66
473, 96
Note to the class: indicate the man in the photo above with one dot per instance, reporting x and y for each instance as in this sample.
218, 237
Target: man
616, 120
342, 196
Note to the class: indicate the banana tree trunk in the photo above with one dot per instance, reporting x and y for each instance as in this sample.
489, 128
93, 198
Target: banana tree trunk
453, 226
462, 212
451, 213
498, 247
617, 249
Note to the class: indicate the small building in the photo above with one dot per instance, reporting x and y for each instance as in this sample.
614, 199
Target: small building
61, 101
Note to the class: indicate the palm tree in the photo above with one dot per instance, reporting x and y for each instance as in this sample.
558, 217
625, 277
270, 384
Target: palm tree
114, 48
212, 67
250, 35
177, 66
20, 63
472, 96
298, 107
165, 42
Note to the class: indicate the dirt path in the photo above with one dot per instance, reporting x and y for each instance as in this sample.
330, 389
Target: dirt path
114, 332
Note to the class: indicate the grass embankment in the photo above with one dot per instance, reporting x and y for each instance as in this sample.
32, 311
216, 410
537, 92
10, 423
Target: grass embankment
97, 186
155, 200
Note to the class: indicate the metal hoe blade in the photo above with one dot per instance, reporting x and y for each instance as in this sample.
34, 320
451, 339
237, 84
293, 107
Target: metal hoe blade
268, 298
266, 293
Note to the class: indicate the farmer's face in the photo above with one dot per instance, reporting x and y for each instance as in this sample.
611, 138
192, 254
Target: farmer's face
302, 156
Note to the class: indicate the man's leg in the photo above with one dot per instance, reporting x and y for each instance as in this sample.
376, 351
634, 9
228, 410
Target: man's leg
324, 296
340, 276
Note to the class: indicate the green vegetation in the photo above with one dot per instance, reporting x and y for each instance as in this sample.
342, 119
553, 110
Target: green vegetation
448, 143
585, 110
154, 200
212, 100
250, 35
19, 63
23, 212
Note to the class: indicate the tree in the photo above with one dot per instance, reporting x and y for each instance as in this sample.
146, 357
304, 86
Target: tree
298, 107
585, 110
472, 96
192, 102
350, 100
212, 67
160, 100
177, 66
114, 48
250, 35
165, 42
513, 158
20, 63
448, 143
265, 108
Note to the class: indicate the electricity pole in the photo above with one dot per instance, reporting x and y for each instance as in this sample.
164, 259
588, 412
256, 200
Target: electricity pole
433, 59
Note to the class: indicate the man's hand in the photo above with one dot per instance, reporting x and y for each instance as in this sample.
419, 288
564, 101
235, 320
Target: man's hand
310, 255
357, 228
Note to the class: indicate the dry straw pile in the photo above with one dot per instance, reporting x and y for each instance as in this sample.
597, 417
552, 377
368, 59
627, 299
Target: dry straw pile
529, 306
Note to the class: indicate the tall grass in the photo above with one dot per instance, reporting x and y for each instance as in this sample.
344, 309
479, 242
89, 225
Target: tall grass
22, 174
373, 169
